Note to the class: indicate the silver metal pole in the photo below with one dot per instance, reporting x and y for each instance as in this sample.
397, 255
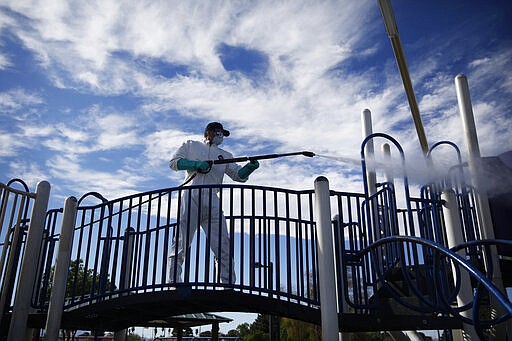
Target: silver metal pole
483, 211
29, 264
327, 279
366, 119
60, 276
474, 158
455, 237
386, 151
392, 30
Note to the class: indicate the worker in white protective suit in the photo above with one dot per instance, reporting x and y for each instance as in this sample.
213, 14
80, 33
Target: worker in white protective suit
202, 206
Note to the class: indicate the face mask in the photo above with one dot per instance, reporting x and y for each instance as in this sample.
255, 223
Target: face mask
217, 139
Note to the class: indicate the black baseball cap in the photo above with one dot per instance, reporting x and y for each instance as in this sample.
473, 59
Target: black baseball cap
214, 126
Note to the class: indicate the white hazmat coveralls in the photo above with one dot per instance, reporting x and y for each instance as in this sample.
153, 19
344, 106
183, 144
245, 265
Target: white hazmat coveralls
210, 218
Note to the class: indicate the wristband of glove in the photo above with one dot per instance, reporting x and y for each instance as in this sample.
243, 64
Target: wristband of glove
246, 170
201, 166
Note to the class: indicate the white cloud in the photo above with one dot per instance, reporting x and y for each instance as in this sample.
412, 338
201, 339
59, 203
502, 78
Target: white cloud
34, 131
188, 33
493, 129
161, 145
71, 134
4, 61
78, 180
490, 71
97, 129
5, 58
302, 103
10, 144
30, 172
479, 62
13, 100
115, 131
283, 29
66, 147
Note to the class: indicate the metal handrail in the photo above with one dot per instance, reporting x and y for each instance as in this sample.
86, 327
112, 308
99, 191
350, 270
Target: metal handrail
99, 241
444, 305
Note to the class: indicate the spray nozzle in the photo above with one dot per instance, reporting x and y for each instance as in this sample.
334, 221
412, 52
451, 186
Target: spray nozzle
308, 154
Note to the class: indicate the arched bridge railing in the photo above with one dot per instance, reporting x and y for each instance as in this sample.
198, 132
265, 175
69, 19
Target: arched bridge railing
124, 246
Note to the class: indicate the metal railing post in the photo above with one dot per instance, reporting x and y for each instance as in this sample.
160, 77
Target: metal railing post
126, 275
386, 151
60, 276
366, 118
29, 264
455, 237
12, 254
474, 157
327, 279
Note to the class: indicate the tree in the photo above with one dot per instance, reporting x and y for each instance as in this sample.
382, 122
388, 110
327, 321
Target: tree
257, 337
291, 330
187, 331
232, 333
300, 331
260, 325
243, 330
79, 282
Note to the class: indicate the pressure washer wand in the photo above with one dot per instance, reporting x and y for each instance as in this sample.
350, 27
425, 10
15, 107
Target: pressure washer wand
242, 159
260, 157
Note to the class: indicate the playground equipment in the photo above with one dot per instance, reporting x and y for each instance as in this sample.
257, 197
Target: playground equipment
351, 262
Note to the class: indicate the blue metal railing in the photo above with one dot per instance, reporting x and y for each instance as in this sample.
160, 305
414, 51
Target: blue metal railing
442, 299
362, 276
123, 246
15, 206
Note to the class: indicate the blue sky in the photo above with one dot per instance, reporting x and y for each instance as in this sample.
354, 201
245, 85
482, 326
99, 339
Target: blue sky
97, 95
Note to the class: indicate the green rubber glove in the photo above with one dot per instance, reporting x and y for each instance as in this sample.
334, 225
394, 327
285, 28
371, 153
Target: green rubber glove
200, 166
246, 170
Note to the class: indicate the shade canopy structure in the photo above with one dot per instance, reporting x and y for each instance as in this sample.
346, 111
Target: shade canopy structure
188, 320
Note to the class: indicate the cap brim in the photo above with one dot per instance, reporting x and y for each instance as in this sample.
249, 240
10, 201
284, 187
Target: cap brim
225, 132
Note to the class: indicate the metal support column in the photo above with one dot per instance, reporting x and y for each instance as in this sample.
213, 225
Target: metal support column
455, 237
366, 120
29, 264
60, 276
483, 210
128, 243
386, 151
327, 279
